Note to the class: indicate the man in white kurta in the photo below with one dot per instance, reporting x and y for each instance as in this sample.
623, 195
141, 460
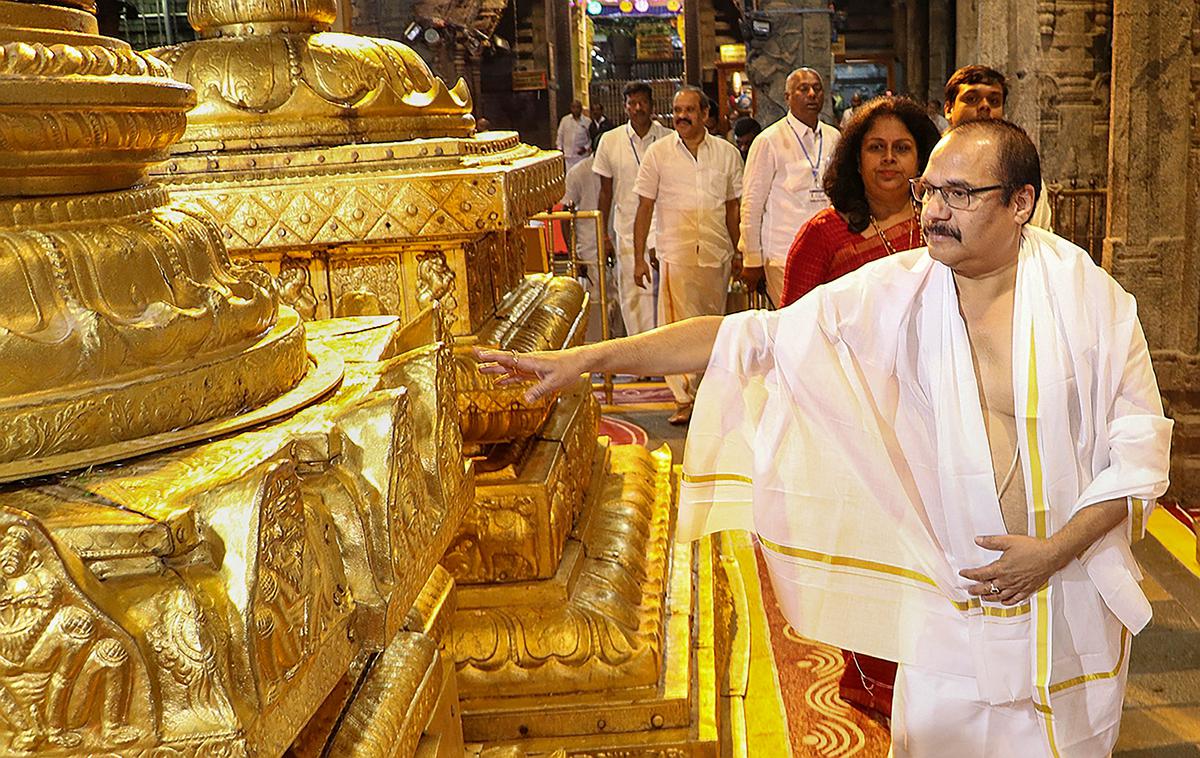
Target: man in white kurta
573, 138
618, 158
689, 183
782, 186
864, 452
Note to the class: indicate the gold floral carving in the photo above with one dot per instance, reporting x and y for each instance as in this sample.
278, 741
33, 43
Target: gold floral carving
608, 633
324, 88
365, 286
79, 112
108, 300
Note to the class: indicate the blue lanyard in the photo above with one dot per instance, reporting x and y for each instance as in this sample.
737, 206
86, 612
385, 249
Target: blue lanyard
816, 167
632, 147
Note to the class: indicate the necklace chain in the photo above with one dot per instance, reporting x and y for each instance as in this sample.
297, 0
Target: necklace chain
911, 230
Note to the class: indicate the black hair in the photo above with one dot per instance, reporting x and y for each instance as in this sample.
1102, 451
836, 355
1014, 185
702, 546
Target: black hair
974, 74
1017, 163
842, 181
746, 125
638, 88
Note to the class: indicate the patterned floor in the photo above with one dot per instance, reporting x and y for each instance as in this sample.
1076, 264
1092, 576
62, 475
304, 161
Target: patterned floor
820, 722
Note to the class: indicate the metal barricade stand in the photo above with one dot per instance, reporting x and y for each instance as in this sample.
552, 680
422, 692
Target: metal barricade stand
572, 217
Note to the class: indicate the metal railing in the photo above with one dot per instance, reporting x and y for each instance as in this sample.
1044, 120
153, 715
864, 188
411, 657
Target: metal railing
571, 219
1079, 214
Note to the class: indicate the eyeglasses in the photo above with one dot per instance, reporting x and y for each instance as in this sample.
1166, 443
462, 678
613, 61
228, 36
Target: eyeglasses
958, 198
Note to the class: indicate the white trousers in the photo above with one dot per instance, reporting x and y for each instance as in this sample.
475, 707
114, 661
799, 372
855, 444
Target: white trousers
937, 715
637, 303
684, 292
774, 274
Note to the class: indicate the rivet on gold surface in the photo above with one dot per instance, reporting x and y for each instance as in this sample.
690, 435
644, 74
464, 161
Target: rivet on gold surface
657, 721
601, 724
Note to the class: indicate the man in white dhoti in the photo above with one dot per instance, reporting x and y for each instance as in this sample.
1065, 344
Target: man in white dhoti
948, 470
694, 181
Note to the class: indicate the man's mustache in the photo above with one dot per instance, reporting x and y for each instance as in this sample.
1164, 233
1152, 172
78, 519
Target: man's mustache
683, 121
944, 230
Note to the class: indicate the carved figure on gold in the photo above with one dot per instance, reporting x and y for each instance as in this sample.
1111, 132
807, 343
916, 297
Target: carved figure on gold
297, 594
186, 653
295, 288
55, 653
435, 282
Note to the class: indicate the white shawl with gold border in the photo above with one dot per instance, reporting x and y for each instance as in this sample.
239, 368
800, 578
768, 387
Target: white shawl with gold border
846, 431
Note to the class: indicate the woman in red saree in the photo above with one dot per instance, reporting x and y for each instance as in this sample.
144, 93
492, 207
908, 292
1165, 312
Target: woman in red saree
886, 143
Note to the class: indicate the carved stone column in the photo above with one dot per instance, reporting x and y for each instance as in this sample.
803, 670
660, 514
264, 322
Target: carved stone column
1153, 241
800, 31
1054, 53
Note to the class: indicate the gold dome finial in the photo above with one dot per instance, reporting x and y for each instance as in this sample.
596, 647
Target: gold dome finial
224, 18
270, 75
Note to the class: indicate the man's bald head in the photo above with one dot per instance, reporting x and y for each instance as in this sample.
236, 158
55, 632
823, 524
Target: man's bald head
805, 93
978, 191
1014, 156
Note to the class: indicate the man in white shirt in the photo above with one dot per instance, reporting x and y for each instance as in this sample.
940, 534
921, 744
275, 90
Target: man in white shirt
618, 158
694, 181
855, 102
782, 187
582, 194
978, 92
573, 137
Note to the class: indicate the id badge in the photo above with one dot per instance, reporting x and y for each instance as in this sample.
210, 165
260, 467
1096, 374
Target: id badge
817, 195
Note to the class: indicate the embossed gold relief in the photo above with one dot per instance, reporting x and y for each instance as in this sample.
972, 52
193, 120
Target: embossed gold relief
79, 112
122, 317
367, 193
70, 676
270, 73
527, 496
243, 576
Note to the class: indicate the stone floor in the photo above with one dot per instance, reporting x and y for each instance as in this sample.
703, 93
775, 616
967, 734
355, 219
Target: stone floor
1162, 708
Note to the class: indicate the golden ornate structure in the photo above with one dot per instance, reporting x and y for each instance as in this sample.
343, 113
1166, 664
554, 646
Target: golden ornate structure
344, 169
222, 590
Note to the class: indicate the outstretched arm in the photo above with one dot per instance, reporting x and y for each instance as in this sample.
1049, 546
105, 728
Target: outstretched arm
683, 347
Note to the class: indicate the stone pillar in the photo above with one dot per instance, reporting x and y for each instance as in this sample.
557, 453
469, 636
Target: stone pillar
941, 48
691, 42
800, 36
1153, 241
1054, 53
916, 51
